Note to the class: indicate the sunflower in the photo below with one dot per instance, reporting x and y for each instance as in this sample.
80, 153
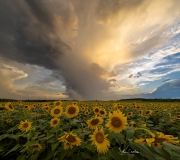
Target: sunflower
36, 147
46, 108
96, 110
129, 114
72, 111
131, 124
143, 125
9, 106
165, 138
140, 113
70, 140
94, 122
56, 111
116, 122
87, 112
99, 139
8, 120
57, 103
25, 125
148, 112
54, 122
102, 112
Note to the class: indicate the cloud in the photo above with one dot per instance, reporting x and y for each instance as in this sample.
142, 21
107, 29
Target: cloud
9, 74
168, 79
83, 42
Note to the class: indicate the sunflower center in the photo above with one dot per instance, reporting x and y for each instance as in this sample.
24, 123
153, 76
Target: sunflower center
99, 137
116, 122
35, 146
155, 144
71, 110
147, 112
101, 112
10, 107
57, 103
56, 111
96, 110
71, 139
55, 122
159, 140
94, 121
25, 125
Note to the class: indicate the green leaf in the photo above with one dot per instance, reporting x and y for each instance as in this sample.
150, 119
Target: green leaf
169, 147
173, 150
63, 153
54, 146
144, 151
31, 143
130, 132
48, 137
21, 157
12, 129
161, 152
114, 154
16, 147
85, 155
3, 136
71, 151
91, 147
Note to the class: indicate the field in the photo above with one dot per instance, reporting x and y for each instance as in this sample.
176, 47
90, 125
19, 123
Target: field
99, 130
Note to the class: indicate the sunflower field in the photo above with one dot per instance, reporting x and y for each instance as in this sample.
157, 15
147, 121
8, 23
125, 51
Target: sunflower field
75, 130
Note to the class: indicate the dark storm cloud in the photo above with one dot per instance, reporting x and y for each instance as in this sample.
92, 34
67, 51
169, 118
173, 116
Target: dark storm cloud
176, 83
81, 81
27, 27
98, 69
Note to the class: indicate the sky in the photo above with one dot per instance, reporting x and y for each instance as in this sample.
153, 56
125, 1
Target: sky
89, 50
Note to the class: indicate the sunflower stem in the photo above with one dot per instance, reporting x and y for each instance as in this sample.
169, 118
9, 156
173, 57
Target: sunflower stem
126, 147
82, 127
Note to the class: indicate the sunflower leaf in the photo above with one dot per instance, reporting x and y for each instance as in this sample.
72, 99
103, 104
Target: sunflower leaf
16, 147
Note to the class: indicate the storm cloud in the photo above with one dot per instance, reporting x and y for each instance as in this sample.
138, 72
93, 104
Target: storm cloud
82, 42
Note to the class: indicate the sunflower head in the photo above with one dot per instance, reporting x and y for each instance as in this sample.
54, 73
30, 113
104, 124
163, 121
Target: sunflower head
148, 112
46, 108
96, 110
69, 140
36, 147
9, 106
99, 139
72, 111
117, 122
54, 122
57, 103
56, 111
102, 112
25, 125
129, 114
94, 122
